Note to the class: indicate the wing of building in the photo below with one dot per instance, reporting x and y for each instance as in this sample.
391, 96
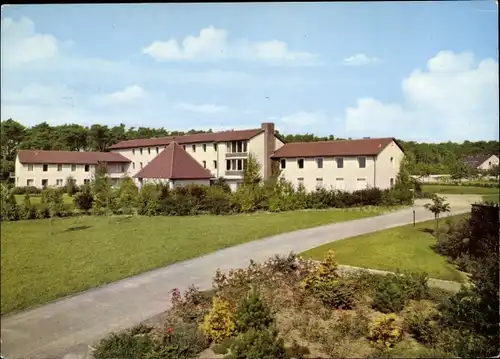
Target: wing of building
482, 162
199, 158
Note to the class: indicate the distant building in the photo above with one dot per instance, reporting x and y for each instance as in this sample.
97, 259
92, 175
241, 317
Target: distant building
200, 158
482, 162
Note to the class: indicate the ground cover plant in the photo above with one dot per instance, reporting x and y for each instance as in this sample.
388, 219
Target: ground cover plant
290, 307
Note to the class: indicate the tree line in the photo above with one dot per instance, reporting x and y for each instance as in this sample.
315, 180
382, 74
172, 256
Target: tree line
434, 158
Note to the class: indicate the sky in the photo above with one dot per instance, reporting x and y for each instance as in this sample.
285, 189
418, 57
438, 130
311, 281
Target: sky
424, 71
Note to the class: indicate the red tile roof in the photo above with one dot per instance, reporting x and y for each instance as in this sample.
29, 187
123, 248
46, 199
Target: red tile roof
69, 157
225, 136
364, 147
174, 163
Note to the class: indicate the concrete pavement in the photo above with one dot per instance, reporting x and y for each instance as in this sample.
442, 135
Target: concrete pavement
65, 328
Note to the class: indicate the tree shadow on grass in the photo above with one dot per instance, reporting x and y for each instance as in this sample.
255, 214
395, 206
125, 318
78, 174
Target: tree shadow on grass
76, 228
427, 230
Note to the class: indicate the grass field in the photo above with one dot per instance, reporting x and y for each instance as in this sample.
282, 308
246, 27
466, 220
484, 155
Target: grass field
36, 199
43, 261
495, 198
450, 189
404, 248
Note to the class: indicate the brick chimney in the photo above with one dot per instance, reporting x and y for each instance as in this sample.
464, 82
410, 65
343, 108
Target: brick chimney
269, 147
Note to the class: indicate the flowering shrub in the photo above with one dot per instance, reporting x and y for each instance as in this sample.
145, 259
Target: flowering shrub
326, 272
219, 322
385, 332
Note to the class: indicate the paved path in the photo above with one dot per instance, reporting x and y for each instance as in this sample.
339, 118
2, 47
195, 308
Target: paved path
65, 328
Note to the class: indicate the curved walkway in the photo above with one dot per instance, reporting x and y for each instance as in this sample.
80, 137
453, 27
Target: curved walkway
65, 328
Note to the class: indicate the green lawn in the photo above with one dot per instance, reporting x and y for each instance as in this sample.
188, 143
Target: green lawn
495, 198
35, 199
43, 261
450, 189
404, 248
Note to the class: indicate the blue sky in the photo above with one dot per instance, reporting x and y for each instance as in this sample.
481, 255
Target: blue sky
424, 71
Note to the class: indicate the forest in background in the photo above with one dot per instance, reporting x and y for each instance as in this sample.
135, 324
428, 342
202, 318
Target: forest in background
422, 158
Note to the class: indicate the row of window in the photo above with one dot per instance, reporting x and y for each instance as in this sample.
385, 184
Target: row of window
319, 162
45, 182
45, 168
231, 147
319, 181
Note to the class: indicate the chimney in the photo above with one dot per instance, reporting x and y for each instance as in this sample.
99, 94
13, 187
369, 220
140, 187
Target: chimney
269, 147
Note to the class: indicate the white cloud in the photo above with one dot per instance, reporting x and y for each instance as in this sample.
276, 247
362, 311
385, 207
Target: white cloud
206, 108
361, 60
214, 44
455, 98
129, 94
303, 119
22, 45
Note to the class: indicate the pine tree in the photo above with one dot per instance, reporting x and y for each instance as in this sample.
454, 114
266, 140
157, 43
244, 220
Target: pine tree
253, 313
101, 191
251, 175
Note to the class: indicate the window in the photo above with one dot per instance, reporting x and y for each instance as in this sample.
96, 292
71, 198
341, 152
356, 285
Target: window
86, 181
73, 168
140, 151
300, 163
204, 164
157, 150
194, 148
87, 168
319, 182
215, 164
45, 168
245, 146
140, 164
300, 181
240, 165
204, 147
133, 151
149, 150
245, 162
30, 167
184, 147
392, 182
319, 162
122, 167
59, 182
133, 165
228, 147
45, 182
228, 165
215, 147
361, 179
339, 179
392, 162
59, 168
362, 162
29, 182
340, 162
283, 164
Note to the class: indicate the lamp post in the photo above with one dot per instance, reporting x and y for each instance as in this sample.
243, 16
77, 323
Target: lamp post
413, 203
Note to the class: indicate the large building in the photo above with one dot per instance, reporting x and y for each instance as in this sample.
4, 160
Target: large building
200, 158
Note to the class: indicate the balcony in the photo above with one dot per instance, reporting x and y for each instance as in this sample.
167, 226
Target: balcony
236, 154
235, 173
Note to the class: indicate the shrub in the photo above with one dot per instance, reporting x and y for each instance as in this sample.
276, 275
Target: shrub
83, 199
325, 272
28, 211
193, 306
148, 201
420, 320
134, 343
127, 195
337, 294
257, 344
455, 241
394, 290
223, 346
8, 207
219, 322
352, 324
385, 332
296, 351
70, 186
253, 313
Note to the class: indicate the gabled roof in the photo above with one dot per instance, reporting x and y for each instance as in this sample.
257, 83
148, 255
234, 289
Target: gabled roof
68, 157
225, 136
174, 163
362, 147
476, 161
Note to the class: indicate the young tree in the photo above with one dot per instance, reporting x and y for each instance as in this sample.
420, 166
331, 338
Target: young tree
101, 191
83, 199
127, 195
251, 174
9, 208
437, 207
70, 185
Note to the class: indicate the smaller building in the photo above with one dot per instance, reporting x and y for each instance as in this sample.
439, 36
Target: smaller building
51, 168
482, 162
174, 166
346, 165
